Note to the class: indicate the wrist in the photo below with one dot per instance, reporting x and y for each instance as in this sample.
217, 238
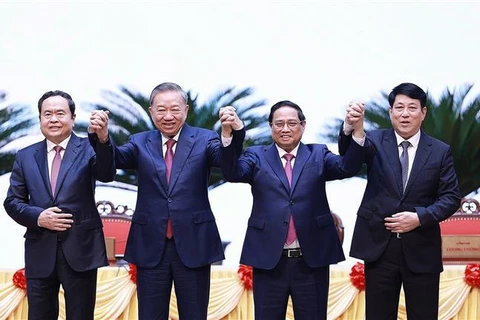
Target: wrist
347, 128
104, 140
238, 126
359, 133
227, 131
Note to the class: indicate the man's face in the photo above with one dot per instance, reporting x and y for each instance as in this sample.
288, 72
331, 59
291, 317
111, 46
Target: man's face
287, 130
407, 116
56, 119
168, 112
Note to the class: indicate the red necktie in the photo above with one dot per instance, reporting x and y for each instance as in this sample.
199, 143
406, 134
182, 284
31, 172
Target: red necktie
168, 165
57, 161
291, 234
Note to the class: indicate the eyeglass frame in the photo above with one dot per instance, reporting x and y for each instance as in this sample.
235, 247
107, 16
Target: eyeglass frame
290, 124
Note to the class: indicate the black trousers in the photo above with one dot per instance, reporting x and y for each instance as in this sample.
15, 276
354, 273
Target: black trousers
80, 289
154, 286
308, 288
384, 279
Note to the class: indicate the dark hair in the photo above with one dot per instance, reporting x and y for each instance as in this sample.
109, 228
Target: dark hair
48, 94
168, 86
286, 103
410, 90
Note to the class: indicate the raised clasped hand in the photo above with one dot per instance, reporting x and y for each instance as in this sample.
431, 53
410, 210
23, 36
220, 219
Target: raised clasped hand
99, 124
354, 117
355, 113
229, 120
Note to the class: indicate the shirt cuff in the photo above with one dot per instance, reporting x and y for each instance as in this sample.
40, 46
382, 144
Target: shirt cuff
360, 141
226, 141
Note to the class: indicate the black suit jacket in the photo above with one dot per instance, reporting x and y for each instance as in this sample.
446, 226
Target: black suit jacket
432, 192
30, 193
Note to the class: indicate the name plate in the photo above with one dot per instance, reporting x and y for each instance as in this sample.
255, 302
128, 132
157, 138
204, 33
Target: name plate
461, 246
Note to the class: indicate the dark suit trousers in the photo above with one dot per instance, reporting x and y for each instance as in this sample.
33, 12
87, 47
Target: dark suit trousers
80, 290
308, 288
154, 286
384, 279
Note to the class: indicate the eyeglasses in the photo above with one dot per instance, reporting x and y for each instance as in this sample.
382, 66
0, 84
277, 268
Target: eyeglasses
290, 124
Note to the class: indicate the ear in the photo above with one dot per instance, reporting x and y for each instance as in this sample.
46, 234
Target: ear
424, 111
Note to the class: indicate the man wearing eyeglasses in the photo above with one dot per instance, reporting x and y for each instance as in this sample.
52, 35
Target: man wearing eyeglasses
291, 237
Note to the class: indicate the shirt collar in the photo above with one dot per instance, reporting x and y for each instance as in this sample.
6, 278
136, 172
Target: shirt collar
282, 152
414, 140
63, 144
165, 138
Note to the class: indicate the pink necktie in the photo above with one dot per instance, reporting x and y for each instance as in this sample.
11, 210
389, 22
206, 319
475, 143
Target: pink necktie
291, 234
168, 165
57, 161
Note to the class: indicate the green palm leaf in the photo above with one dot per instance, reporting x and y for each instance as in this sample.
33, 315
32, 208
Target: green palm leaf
16, 121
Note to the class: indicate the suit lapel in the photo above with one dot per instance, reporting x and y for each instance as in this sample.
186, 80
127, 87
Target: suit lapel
69, 158
154, 146
42, 163
185, 143
303, 153
271, 155
391, 149
421, 156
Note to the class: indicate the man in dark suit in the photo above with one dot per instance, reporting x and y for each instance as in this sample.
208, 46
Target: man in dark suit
173, 236
291, 237
412, 187
51, 193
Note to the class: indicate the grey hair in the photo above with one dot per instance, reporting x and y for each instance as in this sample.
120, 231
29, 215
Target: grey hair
168, 86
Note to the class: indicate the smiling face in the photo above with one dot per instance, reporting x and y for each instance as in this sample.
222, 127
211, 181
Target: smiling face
407, 115
56, 119
287, 129
168, 112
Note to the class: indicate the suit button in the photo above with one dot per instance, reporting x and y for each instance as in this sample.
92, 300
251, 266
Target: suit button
169, 199
285, 223
292, 203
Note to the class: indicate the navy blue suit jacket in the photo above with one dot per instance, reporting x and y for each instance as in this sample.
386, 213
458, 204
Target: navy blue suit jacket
184, 199
30, 193
274, 200
432, 191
